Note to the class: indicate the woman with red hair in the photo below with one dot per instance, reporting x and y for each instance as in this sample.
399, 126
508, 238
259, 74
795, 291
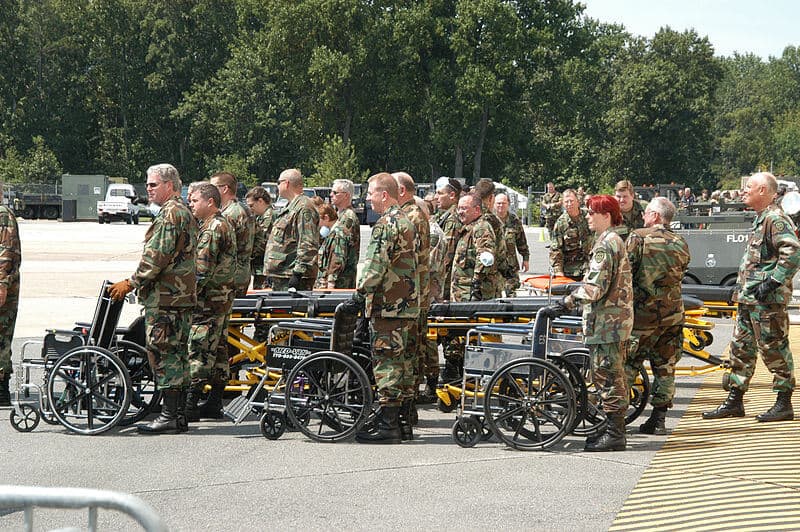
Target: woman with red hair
607, 298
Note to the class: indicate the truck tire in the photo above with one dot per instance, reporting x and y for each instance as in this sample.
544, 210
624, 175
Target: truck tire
100, 220
135, 219
50, 212
29, 213
129, 219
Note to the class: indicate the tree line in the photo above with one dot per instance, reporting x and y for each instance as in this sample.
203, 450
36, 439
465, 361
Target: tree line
520, 91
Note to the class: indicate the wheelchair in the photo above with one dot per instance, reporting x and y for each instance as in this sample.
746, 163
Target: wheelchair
95, 377
515, 393
313, 380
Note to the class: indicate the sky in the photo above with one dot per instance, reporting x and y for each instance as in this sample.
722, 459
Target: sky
761, 27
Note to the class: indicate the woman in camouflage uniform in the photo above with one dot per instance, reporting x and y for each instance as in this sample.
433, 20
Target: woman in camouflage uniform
607, 299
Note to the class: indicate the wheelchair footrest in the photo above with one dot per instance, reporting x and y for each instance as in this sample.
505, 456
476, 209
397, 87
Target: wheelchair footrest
238, 409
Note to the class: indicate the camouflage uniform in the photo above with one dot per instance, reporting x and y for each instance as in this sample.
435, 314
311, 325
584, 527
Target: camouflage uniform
348, 219
166, 283
571, 243
659, 259
332, 259
633, 219
426, 351
551, 209
607, 300
468, 272
451, 226
515, 242
10, 259
293, 244
244, 225
500, 256
216, 259
388, 284
772, 251
263, 226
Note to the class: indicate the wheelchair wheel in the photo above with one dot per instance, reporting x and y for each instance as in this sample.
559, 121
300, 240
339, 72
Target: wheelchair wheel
591, 418
639, 394
331, 391
578, 382
27, 421
89, 390
529, 404
272, 424
144, 392
467, 431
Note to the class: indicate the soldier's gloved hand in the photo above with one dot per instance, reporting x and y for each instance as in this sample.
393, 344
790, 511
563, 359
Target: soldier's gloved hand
354, 305
555, 310
119, 290
763, 289
295, 280
475, 292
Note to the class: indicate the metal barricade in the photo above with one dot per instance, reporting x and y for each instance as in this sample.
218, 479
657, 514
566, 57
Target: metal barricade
30, 497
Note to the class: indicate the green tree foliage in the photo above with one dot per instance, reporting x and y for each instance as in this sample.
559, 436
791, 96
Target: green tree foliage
521, 91
336, 160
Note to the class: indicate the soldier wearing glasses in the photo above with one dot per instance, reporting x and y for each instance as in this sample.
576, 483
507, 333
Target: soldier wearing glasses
342, 199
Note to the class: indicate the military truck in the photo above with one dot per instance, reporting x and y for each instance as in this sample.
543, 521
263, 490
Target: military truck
716, 244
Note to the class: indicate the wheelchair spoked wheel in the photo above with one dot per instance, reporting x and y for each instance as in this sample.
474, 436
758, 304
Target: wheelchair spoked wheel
530, 404
26, 422
578, 382
144, 392
639, 394
591, 418
328, 396
272, 424
89, 390
467, 431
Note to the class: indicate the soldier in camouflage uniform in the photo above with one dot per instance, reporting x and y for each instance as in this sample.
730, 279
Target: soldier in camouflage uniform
550, 207
472, 275
291, 257
260, 204
659, 259
607, 299
484, 189
418, 338
342, 191
631, 208
332, 251
165, 280
244, 225
515, 241
571, 240
388, 292
448, 191
769, 263
216, 259
10, 259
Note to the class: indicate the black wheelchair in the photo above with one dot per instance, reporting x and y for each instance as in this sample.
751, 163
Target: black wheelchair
95, 377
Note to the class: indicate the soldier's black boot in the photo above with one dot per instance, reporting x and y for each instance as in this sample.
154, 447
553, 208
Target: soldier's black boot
781, 411
5, 392
613, 439
183, 422
383, 429
167, 420
404, 418
655, 423
192, 398
428, 395
212, 408
452, 371
732, 407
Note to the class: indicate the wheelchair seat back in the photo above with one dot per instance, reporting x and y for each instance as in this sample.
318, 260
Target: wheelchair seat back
55, 344
343, 331
106, 318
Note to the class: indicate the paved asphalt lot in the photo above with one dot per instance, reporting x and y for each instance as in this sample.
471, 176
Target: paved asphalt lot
221, 476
